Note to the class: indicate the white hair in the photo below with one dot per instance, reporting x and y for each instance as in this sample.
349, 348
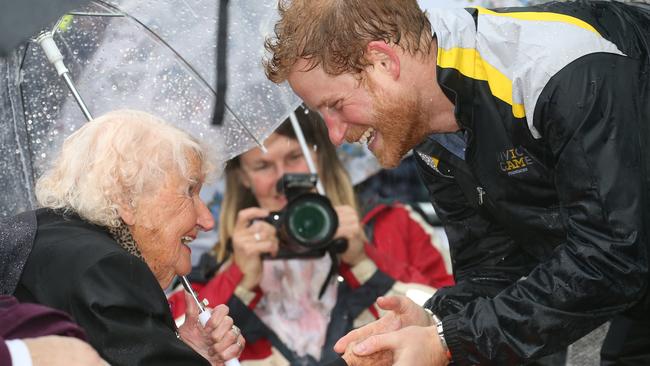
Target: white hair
117, 159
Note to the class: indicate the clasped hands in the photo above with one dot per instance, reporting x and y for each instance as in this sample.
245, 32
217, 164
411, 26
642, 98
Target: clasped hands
404, 336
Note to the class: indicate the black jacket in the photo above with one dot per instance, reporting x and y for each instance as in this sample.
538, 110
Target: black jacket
544, 192
78, 268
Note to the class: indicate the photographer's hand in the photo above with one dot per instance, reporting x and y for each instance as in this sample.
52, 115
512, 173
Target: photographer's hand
350, 228
250, 241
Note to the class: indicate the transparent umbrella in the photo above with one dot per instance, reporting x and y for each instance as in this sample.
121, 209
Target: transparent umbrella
154, 55
158, 56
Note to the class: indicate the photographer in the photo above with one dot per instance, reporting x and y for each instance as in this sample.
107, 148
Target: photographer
276, 301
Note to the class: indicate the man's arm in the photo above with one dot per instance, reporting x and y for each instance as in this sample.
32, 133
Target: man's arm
590, 116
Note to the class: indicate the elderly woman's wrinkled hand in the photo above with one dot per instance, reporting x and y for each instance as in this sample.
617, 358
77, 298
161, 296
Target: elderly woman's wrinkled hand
220, 340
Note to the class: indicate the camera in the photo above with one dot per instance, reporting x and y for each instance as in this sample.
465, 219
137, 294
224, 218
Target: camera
306, 225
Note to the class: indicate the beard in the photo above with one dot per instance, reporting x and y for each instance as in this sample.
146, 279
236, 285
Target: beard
399, 120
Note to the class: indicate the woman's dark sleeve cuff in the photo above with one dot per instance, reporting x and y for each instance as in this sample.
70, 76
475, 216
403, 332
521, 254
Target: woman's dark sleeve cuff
5, 356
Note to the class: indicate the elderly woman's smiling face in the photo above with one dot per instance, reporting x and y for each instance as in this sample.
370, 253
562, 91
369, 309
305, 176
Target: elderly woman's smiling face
165, 221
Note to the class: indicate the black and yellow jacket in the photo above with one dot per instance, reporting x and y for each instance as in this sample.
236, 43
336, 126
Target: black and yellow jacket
544, 191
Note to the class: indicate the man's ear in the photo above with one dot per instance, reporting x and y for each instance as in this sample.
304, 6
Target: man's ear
127, 212
384, 58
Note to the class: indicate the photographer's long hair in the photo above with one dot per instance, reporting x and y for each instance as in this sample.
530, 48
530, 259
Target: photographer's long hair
336, 181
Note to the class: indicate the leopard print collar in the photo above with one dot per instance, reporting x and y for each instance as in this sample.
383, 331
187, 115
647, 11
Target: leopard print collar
122, 236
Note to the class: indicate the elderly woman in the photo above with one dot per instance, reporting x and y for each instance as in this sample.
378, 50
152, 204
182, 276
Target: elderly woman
120, 205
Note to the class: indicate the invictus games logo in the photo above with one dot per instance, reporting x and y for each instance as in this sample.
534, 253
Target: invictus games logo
514, 161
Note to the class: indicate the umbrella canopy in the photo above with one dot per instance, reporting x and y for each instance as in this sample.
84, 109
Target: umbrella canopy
157, 56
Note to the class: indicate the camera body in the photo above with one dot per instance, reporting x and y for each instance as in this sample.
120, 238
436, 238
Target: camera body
306, 225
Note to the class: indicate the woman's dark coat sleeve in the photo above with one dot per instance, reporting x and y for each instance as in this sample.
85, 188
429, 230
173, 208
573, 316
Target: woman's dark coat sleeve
126, 319
78, 268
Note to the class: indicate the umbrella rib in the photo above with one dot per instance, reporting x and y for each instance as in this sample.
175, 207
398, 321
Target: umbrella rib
189, 66
190, 9
88, 14
30, 150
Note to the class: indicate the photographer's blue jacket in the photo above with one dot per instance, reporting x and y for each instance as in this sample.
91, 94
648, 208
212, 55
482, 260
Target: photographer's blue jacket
544, 193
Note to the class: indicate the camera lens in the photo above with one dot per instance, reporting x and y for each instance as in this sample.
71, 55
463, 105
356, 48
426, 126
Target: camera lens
311, 220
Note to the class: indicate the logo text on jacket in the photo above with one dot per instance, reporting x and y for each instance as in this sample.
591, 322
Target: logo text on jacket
514, 161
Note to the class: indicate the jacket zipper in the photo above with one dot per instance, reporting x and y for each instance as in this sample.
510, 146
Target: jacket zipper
481, 193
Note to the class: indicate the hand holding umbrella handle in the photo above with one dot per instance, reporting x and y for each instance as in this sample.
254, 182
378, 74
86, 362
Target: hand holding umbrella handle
204, 313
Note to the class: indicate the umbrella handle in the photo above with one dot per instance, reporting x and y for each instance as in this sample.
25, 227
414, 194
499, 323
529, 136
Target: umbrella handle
233, 362
52, 52
204, 313
204, 316
55, 57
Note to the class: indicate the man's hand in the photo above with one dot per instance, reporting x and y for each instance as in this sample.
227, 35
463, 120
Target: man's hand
402, 312
410, 346
380, 358
219, 341
62, 351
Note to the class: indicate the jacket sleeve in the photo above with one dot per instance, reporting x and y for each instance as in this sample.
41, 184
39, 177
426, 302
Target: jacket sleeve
126, 315
5, 356
589, 114
485, 259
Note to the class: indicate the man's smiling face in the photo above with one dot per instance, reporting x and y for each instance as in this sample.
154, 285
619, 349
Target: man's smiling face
370, 112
